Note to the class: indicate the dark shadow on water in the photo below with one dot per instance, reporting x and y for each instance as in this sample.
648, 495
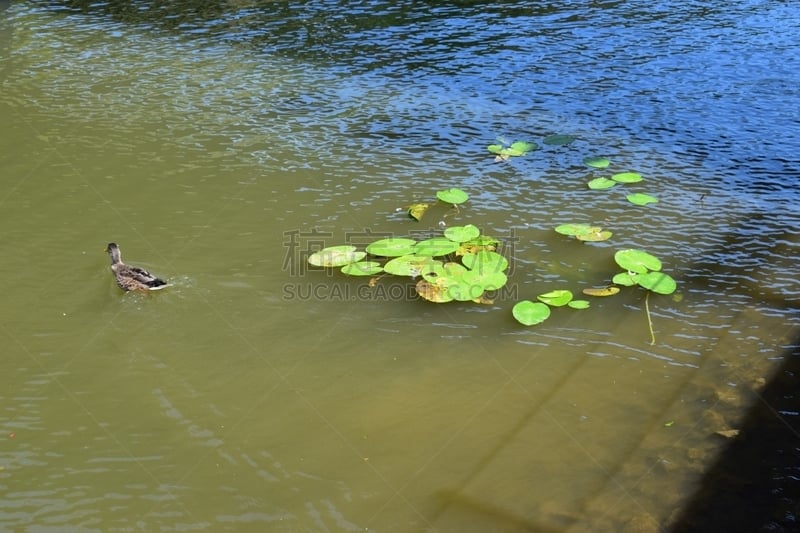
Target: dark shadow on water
755, 484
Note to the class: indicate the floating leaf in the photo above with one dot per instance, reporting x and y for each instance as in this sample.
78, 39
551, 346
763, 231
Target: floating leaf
409, 265
435, 247
495, 148
626, 279
573, 229
579, 304
462, 233
596, 162
452, 196
604, 291
482, 243
433, 292
637, 261
529, 313
487, 279
465, 292
336, 256
392, 247
584, 232
601, 183
594, 235
627, 177
556, 298
559, 140
520, 148
485, 261
362, 268
657, 282
641, 199
416, 211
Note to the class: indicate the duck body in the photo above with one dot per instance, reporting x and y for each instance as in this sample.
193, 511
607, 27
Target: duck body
131, 278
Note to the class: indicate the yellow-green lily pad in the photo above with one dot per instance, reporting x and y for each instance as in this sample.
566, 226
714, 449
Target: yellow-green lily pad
336, 256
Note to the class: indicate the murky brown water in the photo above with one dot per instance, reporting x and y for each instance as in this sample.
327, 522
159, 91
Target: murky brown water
256, 394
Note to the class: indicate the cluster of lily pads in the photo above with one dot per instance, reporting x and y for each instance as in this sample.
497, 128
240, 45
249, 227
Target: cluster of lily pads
639, 268
619, 178
460, 265
503, 150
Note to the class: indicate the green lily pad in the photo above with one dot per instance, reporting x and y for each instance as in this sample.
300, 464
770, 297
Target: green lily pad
465, 292
487, 280
601, 183
579, 304
495, 148
435, 247
336, 256
573, 229
529, 313
637, 261
520, 148
452, 196
641, 199
626, 279
462, 233
596, 162
556, 298
485, 261
409, 265
362, 268
657, 282
559, 140
392, 247
482, 243
594, 235
627, 177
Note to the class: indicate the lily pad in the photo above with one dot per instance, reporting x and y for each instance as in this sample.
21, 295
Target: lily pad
601, 183
452, 196
336, 256
521, 147
485, 261
392, 247
461, 234
556, 298
573, 229
596, 162
517, 148
409, 265
433, 292
657, 282
637, 261
579, 304
559, 140
594, 235
362, 268
416, 211
465, 292
641, 199
530, 313
627, 177
481, 243
487, 280
626, 279
435, 247
602, 291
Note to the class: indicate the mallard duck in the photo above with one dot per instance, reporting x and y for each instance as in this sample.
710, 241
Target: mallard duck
131, 278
